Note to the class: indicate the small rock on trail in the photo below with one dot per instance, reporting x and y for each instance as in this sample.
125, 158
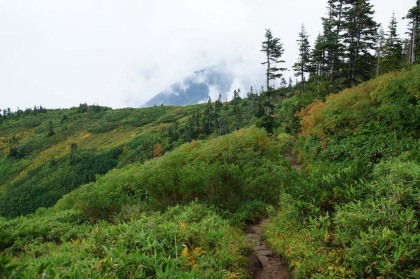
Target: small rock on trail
264, 263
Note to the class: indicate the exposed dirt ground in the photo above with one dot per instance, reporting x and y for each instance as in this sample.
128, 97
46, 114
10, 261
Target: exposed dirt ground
264, 263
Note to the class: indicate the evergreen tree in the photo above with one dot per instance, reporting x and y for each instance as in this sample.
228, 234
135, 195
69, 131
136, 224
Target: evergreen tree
217, 117
379, 48
303, 65
283, 83
73, 150
253, 97
273, 49
318, 69
332, 43
224, 126
290, 86
50, 129
208, 117
360, 33
414, 43
237, 111
392, 49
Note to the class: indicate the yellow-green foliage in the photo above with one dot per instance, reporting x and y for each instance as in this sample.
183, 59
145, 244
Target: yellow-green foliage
38, 166
184, 242
374, 233
306, 248
378, 100
354, 211
227, 171
366, 122
47, 153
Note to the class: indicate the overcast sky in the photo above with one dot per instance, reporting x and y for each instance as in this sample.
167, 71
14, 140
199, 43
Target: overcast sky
120, 53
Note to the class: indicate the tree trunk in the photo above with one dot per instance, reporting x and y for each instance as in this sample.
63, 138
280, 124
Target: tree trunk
413, 42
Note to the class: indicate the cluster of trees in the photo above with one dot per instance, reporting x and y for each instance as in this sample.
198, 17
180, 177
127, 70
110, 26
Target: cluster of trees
9, 114
352, 49
218, 117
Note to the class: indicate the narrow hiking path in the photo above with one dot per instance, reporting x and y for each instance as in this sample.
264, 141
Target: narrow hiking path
265, 264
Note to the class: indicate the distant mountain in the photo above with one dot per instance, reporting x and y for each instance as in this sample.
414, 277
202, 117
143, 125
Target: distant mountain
195, 88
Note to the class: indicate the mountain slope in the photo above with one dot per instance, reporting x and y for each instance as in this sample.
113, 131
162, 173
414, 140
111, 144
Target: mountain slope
44, 155
354, 211
351, 211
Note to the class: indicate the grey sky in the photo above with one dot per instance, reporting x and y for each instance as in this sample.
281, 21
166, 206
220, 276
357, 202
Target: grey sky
120, 53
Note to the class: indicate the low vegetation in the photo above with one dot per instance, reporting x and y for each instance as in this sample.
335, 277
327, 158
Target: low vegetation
354, 211
165, 192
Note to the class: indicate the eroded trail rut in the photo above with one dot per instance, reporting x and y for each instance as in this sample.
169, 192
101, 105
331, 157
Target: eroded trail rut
265, 264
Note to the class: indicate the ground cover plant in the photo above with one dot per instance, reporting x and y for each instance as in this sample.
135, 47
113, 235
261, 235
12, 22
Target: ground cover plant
166, 192
354, 211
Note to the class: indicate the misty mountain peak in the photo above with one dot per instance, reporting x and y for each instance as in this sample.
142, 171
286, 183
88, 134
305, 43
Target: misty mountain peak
195, 88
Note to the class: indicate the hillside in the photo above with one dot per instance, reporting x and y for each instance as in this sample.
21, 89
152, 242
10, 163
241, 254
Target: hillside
45, 154
166, 192
354, 211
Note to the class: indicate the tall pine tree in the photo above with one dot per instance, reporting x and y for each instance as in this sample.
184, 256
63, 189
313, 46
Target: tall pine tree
273, 50
333, 27
303, 65
414, 43
318, 68
379, 49
360, 34
392, 54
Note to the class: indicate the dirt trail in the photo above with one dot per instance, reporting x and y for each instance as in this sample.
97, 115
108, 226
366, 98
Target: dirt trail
295, 164
265, 264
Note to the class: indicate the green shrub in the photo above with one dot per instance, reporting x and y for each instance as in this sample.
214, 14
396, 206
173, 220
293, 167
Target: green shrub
40, 228
184, 242
226, 172
104, 198
380, 231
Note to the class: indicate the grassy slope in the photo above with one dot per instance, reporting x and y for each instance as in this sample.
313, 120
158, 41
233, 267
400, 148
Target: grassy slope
104, 138
129, 222
354, 212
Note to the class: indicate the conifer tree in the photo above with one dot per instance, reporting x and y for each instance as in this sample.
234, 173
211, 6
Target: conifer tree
50, 129
414, 43
217, 117
379, 48
237, 110
303, 65
208, 117
333, 44
283, 83
273, 50
360, 33
392, 49
318, 62
290, 86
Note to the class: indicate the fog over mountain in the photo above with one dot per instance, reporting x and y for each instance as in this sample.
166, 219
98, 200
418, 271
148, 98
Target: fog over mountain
121, 53
196, 88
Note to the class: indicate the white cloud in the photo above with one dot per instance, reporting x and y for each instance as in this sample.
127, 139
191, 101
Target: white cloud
119, 53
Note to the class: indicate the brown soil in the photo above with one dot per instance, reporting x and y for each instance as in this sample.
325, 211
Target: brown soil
264, 263
295, 164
